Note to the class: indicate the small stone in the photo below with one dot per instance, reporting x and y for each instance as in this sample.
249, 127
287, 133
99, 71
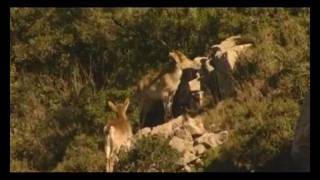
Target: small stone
187, 168
223, 137
188, 157
199, 161
199, 149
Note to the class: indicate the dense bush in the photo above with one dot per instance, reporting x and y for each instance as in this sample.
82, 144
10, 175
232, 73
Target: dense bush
66, 63
83, 155
149, 154
260, 129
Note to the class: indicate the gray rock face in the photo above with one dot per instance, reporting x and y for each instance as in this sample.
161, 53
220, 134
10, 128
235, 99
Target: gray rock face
300, 151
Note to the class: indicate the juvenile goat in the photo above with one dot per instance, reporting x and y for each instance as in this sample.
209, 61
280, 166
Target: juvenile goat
117, 132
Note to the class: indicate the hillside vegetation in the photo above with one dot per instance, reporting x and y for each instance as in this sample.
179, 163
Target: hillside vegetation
66, 63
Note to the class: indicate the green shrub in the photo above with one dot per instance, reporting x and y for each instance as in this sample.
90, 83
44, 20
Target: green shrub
83, 155
149, 154
259, 130
20, 166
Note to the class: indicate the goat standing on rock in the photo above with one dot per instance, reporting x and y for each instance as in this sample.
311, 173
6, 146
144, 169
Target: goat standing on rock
163, 85
222, 62
118, 133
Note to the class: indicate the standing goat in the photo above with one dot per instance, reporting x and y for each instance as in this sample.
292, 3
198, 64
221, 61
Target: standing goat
188, 94
118, 133
163, 85
219, 69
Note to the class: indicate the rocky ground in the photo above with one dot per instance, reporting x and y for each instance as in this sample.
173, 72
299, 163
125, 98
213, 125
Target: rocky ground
189, 136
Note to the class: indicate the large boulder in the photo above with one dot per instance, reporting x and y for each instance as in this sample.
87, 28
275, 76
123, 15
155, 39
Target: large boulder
164, 129
181, 145
167, 129
195, 125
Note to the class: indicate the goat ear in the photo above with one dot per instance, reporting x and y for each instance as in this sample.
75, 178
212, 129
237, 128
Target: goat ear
126, 103
174, 56
112, 106
181, 56
204, 60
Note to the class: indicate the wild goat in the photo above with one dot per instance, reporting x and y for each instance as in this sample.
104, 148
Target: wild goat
118, 133
222, 61
188, 96
163, 85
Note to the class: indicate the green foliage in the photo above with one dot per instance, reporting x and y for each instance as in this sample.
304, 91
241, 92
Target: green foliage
260, 130
20, 166
83, 155
149, 154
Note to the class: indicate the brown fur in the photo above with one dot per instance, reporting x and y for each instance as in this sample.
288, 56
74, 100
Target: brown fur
118, 133
162, 85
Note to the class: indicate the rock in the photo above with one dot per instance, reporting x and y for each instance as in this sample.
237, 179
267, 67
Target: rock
183, 134
199, 149
177, 122
144, 132
212, 139
188, 157
195, 126
214, 128
181, 145
199, 161
187, 168
164, 129
223, 137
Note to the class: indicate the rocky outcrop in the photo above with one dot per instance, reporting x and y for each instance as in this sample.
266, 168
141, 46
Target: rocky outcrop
188, 136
